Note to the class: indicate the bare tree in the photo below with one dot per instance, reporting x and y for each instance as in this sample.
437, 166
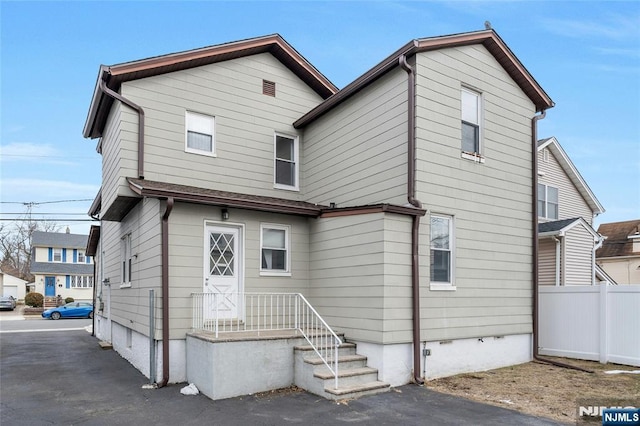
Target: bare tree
15, 244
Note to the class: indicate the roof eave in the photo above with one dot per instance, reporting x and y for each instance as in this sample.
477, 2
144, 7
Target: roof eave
488, 38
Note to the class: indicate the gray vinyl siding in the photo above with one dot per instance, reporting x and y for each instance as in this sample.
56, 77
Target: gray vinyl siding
578, 255
119, 154
490, 202
360, 272
356, 154
245, 122
130, 306
571, 204
186, 256
547, 262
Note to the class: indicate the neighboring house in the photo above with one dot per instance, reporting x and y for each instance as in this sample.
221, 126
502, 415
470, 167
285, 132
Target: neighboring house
619, 255
402, 206
12, 286
60, 265
566, 210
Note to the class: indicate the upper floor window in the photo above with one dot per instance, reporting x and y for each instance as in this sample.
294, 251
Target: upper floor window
274, 246
81, 257
286, 162
471, 119
199, 137
57, 254
547, 202
441, 261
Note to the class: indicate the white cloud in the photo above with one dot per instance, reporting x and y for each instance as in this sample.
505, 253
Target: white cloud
611, 26
37, 190
32, 152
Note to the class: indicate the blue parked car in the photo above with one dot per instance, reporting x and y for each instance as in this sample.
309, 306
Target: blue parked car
70, 310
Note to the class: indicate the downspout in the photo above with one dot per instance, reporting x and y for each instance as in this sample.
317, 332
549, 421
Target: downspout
165, 293
558, 260
415, 229
140, 111
534, 222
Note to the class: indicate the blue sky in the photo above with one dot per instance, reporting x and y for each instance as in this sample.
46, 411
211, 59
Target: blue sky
586, 55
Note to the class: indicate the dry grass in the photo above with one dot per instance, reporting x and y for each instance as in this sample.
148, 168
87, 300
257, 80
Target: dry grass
541, 389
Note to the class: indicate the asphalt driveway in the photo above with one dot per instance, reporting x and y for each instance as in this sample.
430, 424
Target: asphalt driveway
65, 378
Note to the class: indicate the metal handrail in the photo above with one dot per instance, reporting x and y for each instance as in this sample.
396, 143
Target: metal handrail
236, 312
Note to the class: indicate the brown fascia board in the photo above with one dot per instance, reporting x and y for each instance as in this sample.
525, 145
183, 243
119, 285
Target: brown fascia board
488, 38
117, 74
183, 193
96, 204
376, 208
92, 242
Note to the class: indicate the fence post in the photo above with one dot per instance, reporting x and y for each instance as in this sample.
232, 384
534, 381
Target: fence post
604, 335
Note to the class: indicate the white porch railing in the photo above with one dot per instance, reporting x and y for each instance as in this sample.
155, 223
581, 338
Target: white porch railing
255, 312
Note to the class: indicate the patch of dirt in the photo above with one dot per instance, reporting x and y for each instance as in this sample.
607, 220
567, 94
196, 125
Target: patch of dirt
279, 392
543, 390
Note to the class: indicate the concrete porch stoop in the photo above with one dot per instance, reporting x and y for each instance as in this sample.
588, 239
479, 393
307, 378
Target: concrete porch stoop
355, 378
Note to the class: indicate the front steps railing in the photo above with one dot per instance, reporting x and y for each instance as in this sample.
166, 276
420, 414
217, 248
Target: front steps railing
256, 312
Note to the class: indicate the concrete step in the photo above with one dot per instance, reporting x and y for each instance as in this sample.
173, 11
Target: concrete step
344, 349
357, 390
344, 361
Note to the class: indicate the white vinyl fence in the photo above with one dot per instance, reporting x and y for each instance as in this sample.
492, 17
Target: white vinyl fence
598, 323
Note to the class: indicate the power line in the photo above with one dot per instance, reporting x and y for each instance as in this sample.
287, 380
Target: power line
32, 203
51, 220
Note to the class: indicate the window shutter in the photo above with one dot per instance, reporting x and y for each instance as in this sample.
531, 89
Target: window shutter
64, 255
268, 88
50, 254
68, 284
75, 255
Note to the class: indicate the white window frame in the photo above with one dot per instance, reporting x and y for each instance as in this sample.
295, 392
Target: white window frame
441, 285
287, 244
84, 257
53, 256
545, 190
296, 162
203, 124
476, 156
125, 261
81, 281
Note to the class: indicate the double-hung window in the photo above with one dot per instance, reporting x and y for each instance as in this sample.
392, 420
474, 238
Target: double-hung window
199, 134
286, 162
441, 252
81, 258
547, 202
471, 113
57, 254
274, 248
125, 250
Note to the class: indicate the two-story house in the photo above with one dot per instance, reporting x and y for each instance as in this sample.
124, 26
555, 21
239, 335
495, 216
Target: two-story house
567, 209
619, 255
402, 207
60, 265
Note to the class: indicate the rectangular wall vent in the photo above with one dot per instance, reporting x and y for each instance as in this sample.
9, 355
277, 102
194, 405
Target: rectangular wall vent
268, 88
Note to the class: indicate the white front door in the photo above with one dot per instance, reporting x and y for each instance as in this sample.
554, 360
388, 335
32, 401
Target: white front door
222, 271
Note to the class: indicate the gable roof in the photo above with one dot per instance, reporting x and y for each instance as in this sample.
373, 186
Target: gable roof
559, 227
58, 239
115, 75
618, 241
488, 38
572, 173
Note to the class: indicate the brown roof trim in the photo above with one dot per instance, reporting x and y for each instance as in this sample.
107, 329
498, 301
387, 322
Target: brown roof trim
115, 75
377, 208
96, 204
147, 188
488, 38
92, 241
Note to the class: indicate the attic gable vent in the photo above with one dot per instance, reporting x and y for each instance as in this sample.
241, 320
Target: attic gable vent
268, 88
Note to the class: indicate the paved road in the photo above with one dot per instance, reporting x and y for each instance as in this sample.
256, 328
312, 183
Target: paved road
65, 378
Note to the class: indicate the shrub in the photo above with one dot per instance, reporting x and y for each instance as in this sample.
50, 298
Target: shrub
68, 300
34, 299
